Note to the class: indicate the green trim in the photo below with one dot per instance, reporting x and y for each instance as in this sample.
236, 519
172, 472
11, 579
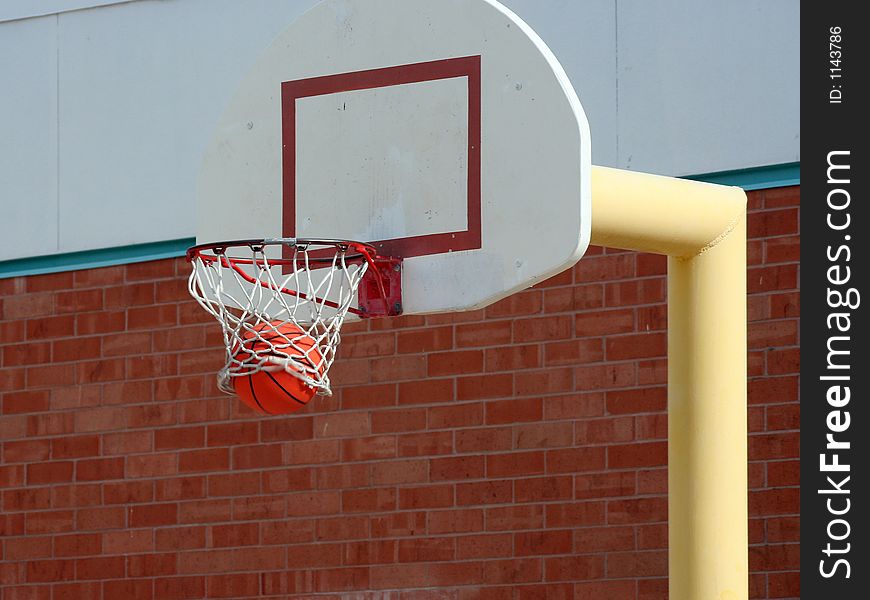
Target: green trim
756, 178
92, 259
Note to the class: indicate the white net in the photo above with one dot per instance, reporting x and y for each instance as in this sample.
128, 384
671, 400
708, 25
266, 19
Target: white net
280, 303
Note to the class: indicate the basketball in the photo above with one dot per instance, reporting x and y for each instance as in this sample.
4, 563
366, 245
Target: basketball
273, 390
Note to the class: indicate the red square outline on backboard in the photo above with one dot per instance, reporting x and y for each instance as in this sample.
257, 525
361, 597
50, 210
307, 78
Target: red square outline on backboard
466, 66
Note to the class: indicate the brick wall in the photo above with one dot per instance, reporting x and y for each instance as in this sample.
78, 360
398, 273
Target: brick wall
516, 452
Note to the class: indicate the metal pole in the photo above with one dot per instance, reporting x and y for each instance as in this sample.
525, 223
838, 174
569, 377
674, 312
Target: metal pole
702, 229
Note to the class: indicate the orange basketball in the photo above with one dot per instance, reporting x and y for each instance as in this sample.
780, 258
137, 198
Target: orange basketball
273, 390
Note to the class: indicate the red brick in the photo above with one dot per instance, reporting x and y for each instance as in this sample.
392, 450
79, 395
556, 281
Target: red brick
574, 460
127, 492
455, 363
132, 589
528, 302
491, 333
484, 492
426, 549
180, 488
27, 451
38, 329
509, 518
604, 485
25, 402
536, 543
179, 538
39, 571
351, 424
455, 521
370, 396
783, 529
514, 411
425, 444
512, 358
425, 340
214, 459
651, 264
784, 305
241, 484
456, 468
543, 329
398, 524
626, 456
774, 557
368, 500
128, 541
606, 322
545, 381
124, 344
573, 352
456, 415
599, 268
342, 528
152, 515
426, 392
100, 469
781, 196
783, 473
484, 546
128, 442
771, 278
513, 571
637, 564
369, 448
104, 567
285, 480
429, 496
572, 568
774, 446
543, 435
204, 511
544, 489
779, 501
393, 421
25, 306
644, 345
49, 472
477, 387
343, 476
179, 588
398, 368
236, 534
638, 400
637, 292
75, 446
399, 471
515, 464
77, 545
652, 482
639, 510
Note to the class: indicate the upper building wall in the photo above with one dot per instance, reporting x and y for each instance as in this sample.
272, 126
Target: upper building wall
108, 106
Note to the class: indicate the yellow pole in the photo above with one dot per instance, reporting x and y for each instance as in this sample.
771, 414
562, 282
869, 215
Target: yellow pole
702, 229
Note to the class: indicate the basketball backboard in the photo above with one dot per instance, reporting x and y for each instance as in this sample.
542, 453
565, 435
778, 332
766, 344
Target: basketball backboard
444, 133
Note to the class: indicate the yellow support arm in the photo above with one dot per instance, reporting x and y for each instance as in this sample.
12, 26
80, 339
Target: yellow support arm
702, 229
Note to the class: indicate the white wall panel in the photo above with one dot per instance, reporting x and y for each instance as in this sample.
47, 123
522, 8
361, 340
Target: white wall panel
706, 85
671, 86
582, 35
142, 85
28, 138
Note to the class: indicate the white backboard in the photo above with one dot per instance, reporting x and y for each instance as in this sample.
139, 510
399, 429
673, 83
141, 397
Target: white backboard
445, 133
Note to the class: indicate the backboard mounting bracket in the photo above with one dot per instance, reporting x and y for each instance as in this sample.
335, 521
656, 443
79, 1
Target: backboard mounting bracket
380, 291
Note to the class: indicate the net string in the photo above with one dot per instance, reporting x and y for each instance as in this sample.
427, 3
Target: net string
257, 315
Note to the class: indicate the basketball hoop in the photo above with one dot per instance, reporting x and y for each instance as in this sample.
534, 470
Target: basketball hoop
281, 302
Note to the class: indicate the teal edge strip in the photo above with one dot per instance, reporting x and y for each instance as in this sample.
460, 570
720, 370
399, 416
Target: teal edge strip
758, 178
92, 259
